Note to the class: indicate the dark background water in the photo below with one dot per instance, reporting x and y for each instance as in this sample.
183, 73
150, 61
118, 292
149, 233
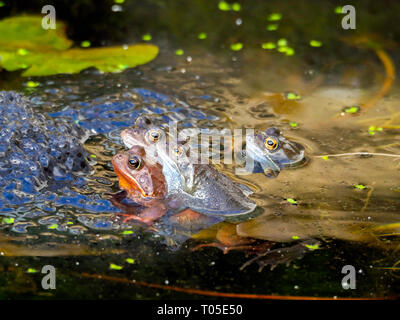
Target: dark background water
201, 91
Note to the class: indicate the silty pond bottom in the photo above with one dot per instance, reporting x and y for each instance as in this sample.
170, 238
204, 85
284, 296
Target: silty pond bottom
349, 203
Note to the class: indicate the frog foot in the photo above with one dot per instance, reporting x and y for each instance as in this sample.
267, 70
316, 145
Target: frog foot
279, 256
141, 222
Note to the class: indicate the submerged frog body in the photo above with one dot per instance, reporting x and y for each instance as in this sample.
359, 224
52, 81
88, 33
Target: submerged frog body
36, 152
144, 182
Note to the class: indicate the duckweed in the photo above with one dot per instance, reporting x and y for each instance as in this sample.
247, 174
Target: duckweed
114, 266
85, 44
237, 46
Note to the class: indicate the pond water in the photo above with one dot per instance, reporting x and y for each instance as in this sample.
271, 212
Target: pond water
346, 196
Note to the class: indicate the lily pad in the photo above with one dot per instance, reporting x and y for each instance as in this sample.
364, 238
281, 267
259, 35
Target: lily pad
46, 52
26, 32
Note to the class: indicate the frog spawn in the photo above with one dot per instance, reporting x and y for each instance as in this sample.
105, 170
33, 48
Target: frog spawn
35, 152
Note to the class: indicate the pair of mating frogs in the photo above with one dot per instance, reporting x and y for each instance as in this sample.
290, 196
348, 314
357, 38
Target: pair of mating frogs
159, 173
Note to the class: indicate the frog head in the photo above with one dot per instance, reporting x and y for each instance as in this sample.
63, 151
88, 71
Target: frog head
271, 152
139, 176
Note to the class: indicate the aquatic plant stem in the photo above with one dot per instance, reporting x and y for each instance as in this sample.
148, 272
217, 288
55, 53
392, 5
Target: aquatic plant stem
365, 154
389, 78
216, 293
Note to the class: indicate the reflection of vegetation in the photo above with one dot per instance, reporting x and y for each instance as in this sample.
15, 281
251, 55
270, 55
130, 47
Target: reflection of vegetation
26, 45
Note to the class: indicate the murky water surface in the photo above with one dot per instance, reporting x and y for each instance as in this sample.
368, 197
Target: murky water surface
349, 202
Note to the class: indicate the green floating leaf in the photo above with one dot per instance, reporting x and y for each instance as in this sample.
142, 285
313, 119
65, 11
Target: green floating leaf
202, 36
291, 201
115, 267
268, 45
179, 52
312, 246
31, 270
53, 226
130, 260
373, 129
293, 96
315, 43
224, 6
32, 84
146, 37
85, 44
282, 42
289, 51
325, 157
237, 46
293, 124
359, 186
352, 109
24, 44
236, 7
338, 10
275, 17
127, 232
272, 27
8, 220
295, 237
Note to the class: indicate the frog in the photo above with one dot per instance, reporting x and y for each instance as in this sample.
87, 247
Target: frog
269, 152
265, 152
143, 181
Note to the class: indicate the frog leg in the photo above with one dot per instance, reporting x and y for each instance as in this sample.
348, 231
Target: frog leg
149, 214
146, 215
278, 256
228, 239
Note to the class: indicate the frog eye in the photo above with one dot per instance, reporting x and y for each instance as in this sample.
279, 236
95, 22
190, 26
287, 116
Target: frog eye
271, 143
154, 135
134, 163
177, 151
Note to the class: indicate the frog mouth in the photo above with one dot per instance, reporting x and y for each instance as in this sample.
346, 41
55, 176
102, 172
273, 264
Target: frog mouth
128, 183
